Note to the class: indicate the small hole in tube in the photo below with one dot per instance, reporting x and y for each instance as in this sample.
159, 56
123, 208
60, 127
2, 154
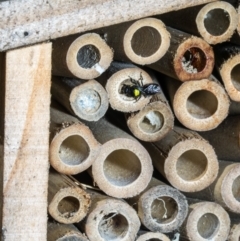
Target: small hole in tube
208, 226
146, 41
88, 56
194, 60
191, 164
202, 104
235, 76
217, 21
122, 167
68, 206
73, 150
113, 226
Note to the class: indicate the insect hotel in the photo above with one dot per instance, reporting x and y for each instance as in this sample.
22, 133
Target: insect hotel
120, 120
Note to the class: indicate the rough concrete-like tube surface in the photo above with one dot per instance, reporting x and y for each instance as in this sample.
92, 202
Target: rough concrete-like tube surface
162, 208
73, 147
207, 221
111, 219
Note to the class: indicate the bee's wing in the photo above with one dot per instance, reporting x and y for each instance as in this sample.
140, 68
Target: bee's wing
151, 89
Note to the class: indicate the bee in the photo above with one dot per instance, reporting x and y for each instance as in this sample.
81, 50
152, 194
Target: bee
137, 89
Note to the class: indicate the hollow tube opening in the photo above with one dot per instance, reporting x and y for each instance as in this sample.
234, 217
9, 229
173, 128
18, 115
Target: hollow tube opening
74, 150
122, 167
146, 41
217, 21
194, 60
235, 76
236, 188
113, 226
152, 122
208, 225
88, 101
164, 209
202, 104
68, 206
191, 165
88, 56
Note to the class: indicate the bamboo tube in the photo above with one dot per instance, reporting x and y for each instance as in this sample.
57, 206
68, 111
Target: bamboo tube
73, 147
64, 232
153, 121
225, 189
110, 219
214, 22
156, 236
228, 65
160, 207
206, 221
119, 74
225, 139
86, 99
86, 56
123, 168
187, 161
188, 57
234, 234
152, 32
199, 105
68, 203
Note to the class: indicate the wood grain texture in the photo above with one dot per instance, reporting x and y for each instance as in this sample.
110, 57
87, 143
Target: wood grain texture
26, 22
26, 143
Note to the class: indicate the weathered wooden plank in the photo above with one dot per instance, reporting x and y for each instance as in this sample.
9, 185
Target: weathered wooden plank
26, 22
26, 143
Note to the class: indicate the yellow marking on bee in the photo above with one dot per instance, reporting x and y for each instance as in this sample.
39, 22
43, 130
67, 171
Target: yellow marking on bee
136, 93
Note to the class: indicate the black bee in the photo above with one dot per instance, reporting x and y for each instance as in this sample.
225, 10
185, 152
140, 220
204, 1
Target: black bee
138, 89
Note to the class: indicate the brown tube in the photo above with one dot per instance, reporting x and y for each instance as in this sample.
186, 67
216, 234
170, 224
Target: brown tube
64, 232
187, 161
73, 147
234, 234
153, 121
206, 221
225, 139
68, 203
85, 57
155, 236
119, 74
86, 99
199, 105
188, 57
154, 42
160, 207
214, 22
224, 190
110, 219
228, 65
123, 167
